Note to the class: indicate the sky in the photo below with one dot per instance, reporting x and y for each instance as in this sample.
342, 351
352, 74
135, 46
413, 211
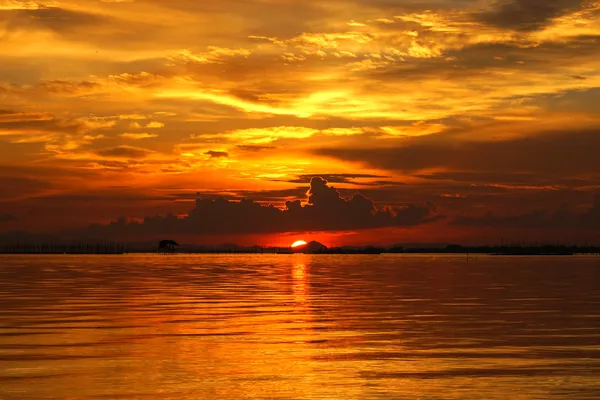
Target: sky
346, 121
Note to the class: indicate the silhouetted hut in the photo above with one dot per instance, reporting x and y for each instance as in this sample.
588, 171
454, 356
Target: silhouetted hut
167, 246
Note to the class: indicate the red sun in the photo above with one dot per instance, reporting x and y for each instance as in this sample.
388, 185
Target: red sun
298, 243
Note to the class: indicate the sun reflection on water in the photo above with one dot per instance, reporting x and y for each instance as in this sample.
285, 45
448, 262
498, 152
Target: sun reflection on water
301, 294
300, 277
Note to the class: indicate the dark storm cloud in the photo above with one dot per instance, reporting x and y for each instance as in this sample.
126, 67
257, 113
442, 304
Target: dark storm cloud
325, 210
559, 153
528, 15
589, 219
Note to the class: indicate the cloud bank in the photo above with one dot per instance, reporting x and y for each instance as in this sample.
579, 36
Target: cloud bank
324, 210
561, 219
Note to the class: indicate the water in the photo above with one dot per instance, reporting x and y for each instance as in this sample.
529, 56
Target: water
299, 327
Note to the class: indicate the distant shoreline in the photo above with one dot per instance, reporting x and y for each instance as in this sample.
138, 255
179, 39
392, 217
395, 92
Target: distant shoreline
430, 252
112, 248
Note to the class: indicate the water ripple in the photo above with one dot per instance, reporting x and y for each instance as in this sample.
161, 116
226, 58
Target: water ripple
299, 327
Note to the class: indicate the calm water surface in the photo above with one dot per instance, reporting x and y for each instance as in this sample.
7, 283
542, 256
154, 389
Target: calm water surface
299, 327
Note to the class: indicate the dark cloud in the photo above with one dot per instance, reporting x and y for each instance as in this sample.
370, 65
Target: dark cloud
99, 196
7, 218
124, 152
217, 154
558, 153
384, 183
473, 176
15, 187
23, 123
325, 210
333, 178
390, 194
528, 15
563, 218
505, 178
261, 196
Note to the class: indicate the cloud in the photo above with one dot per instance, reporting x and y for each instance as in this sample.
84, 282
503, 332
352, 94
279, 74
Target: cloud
16, 185
488, 177
138, 136
64, 87
217, 154
271, 134
140, 79
55, 134
538, 219
342, 131
133, 116
155, 125
324, 210
19, 5
560, 153
334, 178
53, 18
216, 55
254, 148
125, 152
8, 116
529, 15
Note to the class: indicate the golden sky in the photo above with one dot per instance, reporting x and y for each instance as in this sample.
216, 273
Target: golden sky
481, 115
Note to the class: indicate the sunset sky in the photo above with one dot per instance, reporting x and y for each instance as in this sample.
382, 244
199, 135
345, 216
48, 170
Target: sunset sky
464, 121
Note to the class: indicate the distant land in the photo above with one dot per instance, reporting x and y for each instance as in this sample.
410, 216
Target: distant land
105, 247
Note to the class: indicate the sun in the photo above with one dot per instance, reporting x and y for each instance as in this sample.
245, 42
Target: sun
299, 243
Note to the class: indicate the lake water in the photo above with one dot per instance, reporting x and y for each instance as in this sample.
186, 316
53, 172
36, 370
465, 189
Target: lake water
299, 327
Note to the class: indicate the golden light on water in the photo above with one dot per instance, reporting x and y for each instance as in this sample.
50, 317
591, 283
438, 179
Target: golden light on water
299, 276
304, 326
299, 243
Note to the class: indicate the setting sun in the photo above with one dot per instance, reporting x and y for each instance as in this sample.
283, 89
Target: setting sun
299, 243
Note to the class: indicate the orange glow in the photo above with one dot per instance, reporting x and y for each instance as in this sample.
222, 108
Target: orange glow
404, 105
